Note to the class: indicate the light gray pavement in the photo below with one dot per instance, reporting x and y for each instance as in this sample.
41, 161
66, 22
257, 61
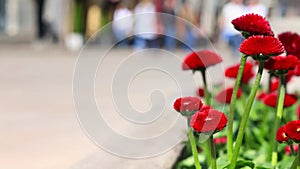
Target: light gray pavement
38, 124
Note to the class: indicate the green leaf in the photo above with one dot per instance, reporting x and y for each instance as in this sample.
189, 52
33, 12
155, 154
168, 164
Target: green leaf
264, 166
244, 163
189, 162
222, 163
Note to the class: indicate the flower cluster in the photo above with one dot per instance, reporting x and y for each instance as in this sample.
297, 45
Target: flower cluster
204, 119
281, 58
289, 132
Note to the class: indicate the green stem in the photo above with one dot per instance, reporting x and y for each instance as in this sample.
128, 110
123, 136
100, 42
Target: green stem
232, 107
194, 149
207, 102
245, 116
280, 103
296, 163
292, 150
298, 157
212, 147
206, 92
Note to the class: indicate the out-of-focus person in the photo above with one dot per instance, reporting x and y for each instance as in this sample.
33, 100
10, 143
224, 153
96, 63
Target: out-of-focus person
283, 4
145, 25
230, 11
40, 22
254, 6
47, 19
122, 24
169, 23
187, 32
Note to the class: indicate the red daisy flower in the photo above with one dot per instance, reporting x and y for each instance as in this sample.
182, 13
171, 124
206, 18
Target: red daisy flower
292, 129
281, 63
261, 96
274, 85
281, 135
288, 150
232, 72
205, 107
291, 43
221, 140
208, 121
262, 45
201, 92
200, 60
253, 24
289, 75
271, 99
225, 95
187, 105
297, 69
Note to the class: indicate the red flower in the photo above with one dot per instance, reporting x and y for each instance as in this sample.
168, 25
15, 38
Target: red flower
208, 121
253, 24
225, 95
187, 105
205, 107
271, 99
288, 151
292, 129
201, 92
298, 112
261, 96
262, 45
281, 63
221, 140
232, 72
274, 85
200, 60
289, 75
291, 43
281, 135
297, 69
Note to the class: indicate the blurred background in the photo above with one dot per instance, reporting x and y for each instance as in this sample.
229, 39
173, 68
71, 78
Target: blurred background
60, 22
39, 44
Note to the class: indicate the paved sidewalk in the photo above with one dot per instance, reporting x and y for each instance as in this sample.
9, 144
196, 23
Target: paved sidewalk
38, 123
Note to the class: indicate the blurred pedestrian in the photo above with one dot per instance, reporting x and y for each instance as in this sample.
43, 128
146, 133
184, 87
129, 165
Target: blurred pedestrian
254, 6
231, 10
145, 25
122, 24
40, 22
188, 32
283, 4
169, 24
47, 14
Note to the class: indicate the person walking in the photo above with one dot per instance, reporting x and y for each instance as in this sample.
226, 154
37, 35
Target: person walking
169, 24
145, 25
122, 24
230, 11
